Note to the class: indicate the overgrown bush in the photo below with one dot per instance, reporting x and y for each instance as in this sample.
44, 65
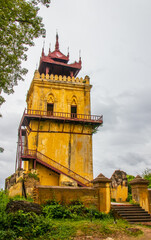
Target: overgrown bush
75, 210
4, 199
28, 225
8, 234
56, 211
33, 175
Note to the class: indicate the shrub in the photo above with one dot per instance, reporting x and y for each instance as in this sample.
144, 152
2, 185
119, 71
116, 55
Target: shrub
33, 175
56, 211
28, 225
8, 234
4, 199
51, 202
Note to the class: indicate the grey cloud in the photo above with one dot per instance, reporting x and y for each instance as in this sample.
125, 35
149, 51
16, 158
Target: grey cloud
116, 54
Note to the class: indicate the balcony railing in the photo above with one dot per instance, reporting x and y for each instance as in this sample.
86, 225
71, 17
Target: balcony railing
65, 116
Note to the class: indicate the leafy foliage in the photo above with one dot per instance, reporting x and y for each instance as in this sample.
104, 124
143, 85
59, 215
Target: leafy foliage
19, 25
8, 234
129, 178
75, 210
4, 199
33, 175
147, 175
1, 149
28, 224
56, 211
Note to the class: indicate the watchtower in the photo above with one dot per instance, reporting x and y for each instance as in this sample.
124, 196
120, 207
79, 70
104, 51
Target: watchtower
55, 132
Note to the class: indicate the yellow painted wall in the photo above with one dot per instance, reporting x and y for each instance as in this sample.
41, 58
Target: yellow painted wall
89, 196
120, 193
46, 176
16, 189
74, 151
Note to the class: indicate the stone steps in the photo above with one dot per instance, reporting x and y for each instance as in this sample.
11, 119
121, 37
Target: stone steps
131, 213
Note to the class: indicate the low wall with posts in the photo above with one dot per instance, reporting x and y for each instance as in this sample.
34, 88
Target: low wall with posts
89, 196
97, 197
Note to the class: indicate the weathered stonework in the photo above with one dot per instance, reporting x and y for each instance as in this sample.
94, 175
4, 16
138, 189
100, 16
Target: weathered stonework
119, 188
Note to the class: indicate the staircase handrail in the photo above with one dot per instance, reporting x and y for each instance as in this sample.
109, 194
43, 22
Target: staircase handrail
35, 153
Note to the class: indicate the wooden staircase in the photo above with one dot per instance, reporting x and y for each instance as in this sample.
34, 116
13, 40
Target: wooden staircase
131, 213
55, 166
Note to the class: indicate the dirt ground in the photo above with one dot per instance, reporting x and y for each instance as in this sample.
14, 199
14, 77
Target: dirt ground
145, 236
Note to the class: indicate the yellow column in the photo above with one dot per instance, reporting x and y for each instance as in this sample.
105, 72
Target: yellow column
103, 185
140, 191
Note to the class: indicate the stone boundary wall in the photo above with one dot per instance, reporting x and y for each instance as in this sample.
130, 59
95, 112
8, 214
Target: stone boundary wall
89, 196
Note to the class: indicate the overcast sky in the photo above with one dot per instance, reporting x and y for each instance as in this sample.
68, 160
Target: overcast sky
114, 37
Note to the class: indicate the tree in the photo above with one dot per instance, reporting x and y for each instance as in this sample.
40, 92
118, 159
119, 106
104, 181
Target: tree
147, 175
19, 25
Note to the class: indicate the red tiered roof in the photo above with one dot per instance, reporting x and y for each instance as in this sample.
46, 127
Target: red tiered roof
57, 63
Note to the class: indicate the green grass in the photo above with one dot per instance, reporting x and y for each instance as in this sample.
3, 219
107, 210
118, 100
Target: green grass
67, 229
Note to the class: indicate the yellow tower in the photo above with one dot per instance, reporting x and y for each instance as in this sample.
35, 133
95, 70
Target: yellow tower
55, 133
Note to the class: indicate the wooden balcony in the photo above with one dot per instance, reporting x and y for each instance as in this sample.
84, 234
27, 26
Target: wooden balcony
30, 114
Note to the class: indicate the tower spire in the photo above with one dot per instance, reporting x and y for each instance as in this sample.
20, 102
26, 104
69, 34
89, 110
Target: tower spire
68, 53
43, 49
57, 43
79, 56
50, 48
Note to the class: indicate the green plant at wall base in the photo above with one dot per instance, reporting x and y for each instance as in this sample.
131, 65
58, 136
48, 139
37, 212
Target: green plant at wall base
56, 211
9, 177
129, 178
33, 175
129, 198
134, 203
18, 198
51, 202
75, 210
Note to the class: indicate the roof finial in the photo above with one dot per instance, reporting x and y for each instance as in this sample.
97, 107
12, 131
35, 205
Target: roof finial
49, 48
43, 49
36, 66
68, 52
57, 42
79, 56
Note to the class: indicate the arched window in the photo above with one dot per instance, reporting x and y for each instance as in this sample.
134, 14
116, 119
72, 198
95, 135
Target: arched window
74, 108
50, 105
